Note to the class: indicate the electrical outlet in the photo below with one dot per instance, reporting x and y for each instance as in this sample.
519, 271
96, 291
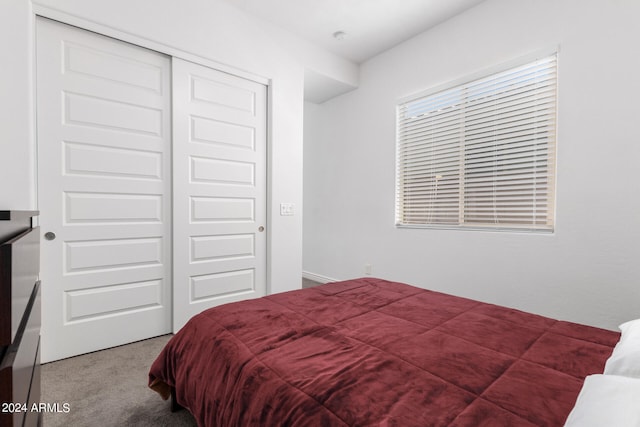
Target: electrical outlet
367, 269
286, 209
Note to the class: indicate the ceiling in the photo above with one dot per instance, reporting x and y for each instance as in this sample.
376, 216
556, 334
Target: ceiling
371, 26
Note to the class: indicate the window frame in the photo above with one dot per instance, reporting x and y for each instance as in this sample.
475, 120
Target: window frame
458, 84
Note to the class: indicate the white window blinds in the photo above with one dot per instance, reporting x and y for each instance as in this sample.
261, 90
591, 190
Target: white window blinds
482, 154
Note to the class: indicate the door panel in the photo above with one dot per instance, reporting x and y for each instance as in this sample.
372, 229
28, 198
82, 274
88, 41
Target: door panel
219, 155
104, 186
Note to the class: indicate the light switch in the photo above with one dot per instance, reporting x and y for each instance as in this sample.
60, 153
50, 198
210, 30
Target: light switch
286, 209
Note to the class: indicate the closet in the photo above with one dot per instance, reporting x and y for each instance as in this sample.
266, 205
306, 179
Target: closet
151, 189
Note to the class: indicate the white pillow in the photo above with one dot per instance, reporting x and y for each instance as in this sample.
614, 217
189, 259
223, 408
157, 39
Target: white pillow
625, 359
607, 400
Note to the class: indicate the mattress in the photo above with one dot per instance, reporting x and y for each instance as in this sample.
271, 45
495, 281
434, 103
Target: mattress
370, 352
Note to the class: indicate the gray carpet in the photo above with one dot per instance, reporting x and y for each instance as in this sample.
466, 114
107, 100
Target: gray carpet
109, 388
306, 283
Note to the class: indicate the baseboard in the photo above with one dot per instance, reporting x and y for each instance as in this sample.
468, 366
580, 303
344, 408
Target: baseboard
318, 278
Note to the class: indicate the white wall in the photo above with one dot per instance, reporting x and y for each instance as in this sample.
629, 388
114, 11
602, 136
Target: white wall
588, 271
207, 30
17, 179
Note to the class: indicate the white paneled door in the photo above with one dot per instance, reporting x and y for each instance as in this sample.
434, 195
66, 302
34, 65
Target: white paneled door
104, 190
219, 158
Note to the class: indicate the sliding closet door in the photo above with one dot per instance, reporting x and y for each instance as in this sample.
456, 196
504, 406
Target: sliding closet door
219, 157
104, 138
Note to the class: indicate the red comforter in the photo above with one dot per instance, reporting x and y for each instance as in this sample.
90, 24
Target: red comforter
371, 352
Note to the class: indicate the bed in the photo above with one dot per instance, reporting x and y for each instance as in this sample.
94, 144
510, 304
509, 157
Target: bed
372, 352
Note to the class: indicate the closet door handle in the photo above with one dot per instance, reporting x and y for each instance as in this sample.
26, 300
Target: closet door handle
50, 235
261, 229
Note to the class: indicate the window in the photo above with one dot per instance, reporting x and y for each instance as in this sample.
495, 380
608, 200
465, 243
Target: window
481, 154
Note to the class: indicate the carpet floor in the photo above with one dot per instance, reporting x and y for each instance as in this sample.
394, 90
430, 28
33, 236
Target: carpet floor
109, 388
